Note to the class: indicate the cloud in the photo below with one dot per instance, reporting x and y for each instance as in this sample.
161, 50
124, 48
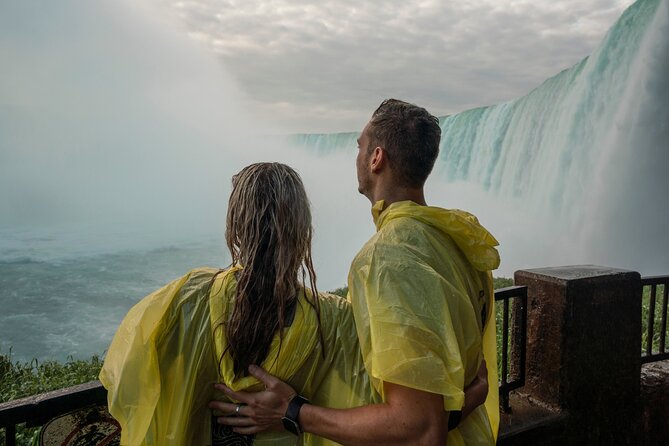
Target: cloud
107, 115
324, 66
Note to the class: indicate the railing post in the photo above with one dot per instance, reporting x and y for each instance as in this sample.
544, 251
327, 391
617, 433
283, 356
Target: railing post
10, 435
505, 353
519, 337
663, 319
651, 320
583, 350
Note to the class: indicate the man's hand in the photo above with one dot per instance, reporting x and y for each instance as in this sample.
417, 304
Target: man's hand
258, 411
477, 391
409, 416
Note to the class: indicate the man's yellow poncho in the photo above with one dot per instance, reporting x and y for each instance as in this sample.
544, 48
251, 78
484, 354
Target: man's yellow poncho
166, 355
421, 289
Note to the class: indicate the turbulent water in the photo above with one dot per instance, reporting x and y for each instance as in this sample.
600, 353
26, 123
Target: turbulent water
54, 306
576, 171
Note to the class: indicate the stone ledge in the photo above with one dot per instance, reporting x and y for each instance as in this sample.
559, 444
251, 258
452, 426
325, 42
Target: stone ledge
530, 423
563, 274
655, 402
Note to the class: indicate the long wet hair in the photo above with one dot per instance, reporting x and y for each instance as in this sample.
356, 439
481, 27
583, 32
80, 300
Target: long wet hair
269, 233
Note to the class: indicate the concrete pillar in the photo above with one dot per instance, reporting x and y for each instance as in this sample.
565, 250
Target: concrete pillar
583, 351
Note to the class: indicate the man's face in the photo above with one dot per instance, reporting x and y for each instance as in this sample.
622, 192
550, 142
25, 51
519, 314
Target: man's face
362, 162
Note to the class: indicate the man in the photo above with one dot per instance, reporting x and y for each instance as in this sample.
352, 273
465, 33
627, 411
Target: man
421, 293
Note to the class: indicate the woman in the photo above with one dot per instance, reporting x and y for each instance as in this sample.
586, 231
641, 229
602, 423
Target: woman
210, 325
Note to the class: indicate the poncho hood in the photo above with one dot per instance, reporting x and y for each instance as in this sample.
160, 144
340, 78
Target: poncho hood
477, 244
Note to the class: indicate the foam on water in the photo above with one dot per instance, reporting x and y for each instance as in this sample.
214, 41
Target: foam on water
72, 307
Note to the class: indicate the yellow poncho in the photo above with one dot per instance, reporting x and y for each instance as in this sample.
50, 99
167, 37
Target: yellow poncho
164, 359
421, 288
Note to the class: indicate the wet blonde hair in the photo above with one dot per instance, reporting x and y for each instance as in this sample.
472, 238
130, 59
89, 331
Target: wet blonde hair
269, 233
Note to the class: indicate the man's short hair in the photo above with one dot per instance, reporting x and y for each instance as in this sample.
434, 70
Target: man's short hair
410, 136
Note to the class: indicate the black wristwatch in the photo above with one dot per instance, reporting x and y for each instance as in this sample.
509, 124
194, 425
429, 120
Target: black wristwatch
289, 420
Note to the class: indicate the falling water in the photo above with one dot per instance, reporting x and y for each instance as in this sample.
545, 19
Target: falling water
576, 171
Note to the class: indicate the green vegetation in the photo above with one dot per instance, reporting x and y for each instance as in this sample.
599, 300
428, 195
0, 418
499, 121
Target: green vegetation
342, 292
645, 312
18, 380
501, 282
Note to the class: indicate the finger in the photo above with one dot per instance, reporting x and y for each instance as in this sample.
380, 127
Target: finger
226, 408
249, 430
219, 386
244, 397
261, 375
236, 421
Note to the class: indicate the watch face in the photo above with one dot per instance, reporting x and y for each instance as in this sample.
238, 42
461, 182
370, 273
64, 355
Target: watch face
291, 426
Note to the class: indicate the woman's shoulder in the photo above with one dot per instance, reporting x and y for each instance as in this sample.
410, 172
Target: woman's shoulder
332, 301
334, 309
203, 279
192, 287
202, 275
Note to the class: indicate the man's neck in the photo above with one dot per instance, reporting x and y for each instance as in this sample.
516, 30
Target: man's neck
396, 194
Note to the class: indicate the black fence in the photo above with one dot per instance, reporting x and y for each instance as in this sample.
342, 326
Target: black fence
655, 332
38, 409
513, 342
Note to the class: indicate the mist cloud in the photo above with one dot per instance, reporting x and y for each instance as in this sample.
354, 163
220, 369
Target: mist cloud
320, 67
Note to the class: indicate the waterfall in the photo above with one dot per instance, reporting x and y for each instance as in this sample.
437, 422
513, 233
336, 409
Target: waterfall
583, 157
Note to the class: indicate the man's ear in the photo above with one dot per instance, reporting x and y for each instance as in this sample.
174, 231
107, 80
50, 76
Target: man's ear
378, 160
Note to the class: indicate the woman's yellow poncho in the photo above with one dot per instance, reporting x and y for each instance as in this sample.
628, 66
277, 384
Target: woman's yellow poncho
164, 359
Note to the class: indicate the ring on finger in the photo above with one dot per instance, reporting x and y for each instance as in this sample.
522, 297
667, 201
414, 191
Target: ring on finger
237, 409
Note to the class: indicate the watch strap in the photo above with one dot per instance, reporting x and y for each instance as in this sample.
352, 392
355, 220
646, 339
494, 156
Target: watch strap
292, 412
454, 418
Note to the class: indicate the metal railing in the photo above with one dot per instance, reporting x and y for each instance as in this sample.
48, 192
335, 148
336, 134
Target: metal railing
38, 409
651, 284
513, 377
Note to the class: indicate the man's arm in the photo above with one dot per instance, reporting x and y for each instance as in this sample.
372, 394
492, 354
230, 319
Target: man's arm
408, 416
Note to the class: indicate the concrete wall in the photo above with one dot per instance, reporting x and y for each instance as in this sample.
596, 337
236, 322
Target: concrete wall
583, 363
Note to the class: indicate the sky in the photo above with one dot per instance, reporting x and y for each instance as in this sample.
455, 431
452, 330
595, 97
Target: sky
317, 67
324, 66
